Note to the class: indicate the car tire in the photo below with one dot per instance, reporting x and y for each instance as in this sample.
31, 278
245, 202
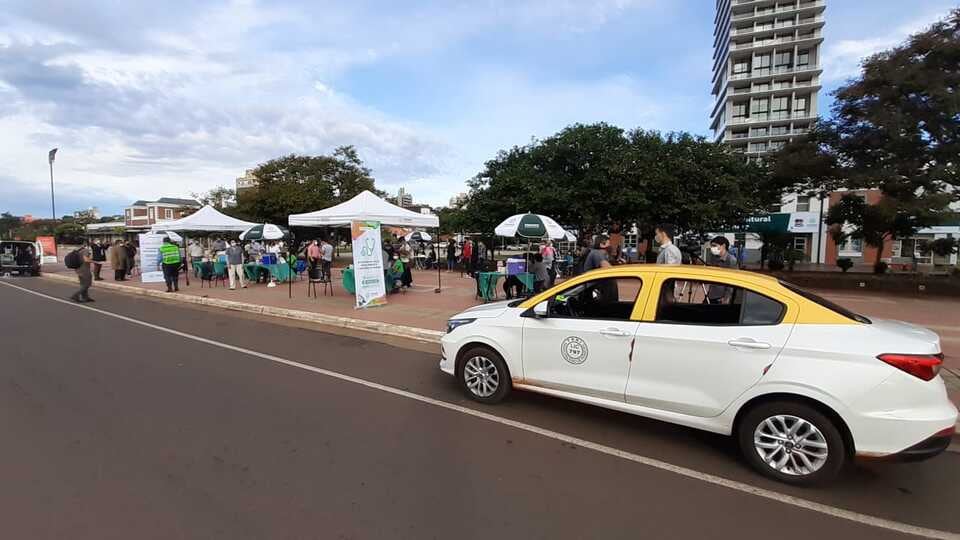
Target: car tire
792, 442
483, 375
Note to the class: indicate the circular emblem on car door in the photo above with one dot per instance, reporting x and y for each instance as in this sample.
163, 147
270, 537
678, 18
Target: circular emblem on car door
574, 350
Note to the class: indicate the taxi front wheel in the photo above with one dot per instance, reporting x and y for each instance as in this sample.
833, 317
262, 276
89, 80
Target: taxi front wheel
483, 375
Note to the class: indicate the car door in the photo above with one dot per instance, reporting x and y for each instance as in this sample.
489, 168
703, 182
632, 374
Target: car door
583, 345
703, 347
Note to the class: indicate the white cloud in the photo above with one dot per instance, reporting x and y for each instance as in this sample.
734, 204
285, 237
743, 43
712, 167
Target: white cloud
842, 59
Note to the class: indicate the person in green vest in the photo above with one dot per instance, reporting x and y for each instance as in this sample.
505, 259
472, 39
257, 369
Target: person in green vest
171, 261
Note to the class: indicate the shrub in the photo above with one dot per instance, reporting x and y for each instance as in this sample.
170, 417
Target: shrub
880, 268
775, 265
845, 263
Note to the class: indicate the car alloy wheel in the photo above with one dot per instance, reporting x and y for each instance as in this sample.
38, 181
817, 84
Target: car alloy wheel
791, 445
481, 376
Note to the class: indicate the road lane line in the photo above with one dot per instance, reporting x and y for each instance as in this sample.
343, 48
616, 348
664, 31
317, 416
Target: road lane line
742, 487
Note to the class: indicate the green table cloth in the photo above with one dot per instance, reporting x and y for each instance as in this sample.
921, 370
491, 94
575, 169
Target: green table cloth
281, 272
487, 283
349, 283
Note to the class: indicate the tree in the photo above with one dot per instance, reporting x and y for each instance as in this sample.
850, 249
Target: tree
219, 197
895, 128
296, 184
69, 233
594, 176
8, 222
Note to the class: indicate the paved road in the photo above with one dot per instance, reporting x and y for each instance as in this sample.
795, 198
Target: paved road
113, 429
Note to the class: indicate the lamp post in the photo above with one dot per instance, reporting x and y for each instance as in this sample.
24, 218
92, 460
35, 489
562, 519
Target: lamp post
53, 202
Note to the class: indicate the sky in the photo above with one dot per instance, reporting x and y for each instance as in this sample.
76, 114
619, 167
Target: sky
153, 99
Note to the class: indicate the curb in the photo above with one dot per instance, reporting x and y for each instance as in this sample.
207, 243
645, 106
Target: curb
374, 327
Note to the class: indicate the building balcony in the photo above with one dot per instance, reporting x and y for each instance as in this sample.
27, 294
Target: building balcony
771, 118
759, 45
815, 6
813, 22
765, 74
747, 137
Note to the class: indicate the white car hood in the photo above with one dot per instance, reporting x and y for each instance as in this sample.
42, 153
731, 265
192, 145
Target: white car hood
484, 311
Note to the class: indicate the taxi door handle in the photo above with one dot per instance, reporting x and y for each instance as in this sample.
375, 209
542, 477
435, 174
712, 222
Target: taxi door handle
614, 332
747, 343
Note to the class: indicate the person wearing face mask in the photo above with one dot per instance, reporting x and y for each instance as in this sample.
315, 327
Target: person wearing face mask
720, 256
235, 265
669, 253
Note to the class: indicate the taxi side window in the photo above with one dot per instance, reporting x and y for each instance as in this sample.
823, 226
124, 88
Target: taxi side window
610, 299
715, 304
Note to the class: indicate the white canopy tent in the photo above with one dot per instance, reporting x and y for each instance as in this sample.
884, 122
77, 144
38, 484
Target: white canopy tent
364, 207
207, 219
367, 207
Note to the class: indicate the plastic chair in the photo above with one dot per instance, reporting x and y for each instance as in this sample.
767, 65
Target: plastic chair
219, 273
300, 268
206, 273
315, 276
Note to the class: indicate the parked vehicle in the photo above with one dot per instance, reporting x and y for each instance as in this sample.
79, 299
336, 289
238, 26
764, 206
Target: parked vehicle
803, 384
20, 258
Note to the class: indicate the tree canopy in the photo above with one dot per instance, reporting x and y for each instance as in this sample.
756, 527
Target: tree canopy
296, 184
895, 128
593, 176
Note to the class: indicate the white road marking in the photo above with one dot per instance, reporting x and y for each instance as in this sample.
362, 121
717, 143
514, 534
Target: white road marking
791, 500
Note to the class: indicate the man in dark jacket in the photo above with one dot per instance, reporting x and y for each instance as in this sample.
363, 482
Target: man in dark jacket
99, 256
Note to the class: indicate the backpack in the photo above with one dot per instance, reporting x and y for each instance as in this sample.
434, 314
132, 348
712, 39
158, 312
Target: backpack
73, 260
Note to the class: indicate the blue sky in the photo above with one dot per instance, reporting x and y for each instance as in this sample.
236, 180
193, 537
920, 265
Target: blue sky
152, 99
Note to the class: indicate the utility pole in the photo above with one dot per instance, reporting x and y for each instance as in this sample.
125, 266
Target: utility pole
53, 201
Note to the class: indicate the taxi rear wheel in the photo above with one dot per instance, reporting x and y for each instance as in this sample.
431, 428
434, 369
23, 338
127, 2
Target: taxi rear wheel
792, 442
483, 375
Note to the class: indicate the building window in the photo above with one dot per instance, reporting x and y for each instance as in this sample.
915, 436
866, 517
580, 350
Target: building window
168, 213
852, 246
760, 109
912, 248
783, 61
758, 147
741, 67
761, 87
803, 58
800, 243
740, 111
781, 107
761, 64
776, 145
800, 106
779, 130
758, 132
803, 203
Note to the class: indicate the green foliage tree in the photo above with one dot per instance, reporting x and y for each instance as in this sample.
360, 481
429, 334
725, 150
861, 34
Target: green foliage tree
296, 184
69, 233
895, 128
219, 197
591, 176
8, 222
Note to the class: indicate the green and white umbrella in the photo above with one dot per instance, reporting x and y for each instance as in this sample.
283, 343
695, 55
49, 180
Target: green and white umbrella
531, 226
264, 231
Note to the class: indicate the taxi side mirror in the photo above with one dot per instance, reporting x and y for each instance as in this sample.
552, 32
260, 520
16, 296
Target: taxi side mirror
541, 310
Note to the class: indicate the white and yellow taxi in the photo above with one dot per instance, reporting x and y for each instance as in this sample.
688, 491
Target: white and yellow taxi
803, 384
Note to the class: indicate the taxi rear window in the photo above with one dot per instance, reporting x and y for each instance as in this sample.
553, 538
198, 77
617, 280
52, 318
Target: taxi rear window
839, 310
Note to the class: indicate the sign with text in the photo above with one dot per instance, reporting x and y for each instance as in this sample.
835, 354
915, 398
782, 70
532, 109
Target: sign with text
49, 246
149, 255
368, 264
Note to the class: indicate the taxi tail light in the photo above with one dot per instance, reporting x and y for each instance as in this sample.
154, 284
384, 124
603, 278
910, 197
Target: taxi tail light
922, 366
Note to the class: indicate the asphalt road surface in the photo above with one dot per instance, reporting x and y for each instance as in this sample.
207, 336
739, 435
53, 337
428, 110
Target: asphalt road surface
183, 422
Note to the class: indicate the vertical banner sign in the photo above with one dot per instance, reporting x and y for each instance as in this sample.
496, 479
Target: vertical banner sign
368, 264
149, 255
49, 245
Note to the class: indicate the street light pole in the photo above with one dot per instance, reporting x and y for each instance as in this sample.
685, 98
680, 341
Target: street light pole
53, 201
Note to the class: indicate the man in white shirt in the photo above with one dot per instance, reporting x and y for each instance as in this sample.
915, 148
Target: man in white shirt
669, 253
326, 258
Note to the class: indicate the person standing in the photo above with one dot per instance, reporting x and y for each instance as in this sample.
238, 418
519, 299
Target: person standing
170, 261
540, 273
451, 254
549, 254
235, 265
326, 259
720, 256
597, 258
669, 253
466, 256
131, 256
84, 275
196, 256
313, 255
99, 256
118, 260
